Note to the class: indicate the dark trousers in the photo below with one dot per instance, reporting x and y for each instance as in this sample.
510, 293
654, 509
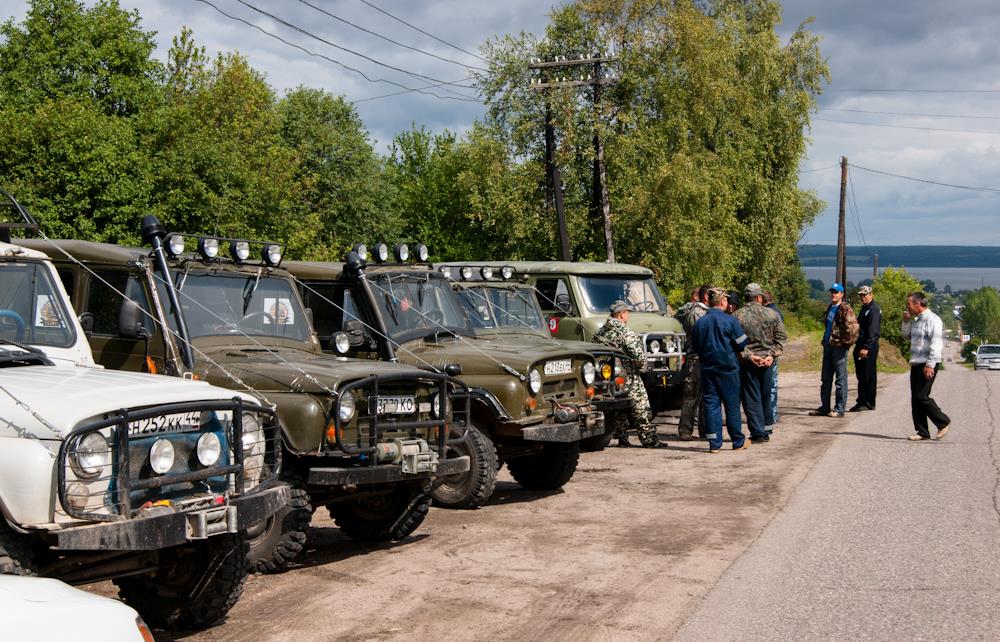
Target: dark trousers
721, 389
755, 392
691, 407
867, 375
834, 364
923, 406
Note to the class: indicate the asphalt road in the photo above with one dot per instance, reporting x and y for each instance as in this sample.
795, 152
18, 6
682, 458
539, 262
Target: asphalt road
885, 539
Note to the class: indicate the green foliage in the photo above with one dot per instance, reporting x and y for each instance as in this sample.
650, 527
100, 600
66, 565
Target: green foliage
981, 315
890, 289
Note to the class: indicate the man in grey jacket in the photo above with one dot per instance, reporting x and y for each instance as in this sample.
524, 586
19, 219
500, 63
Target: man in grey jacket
925, 331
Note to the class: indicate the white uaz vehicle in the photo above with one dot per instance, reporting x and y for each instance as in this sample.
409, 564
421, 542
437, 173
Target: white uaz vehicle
145, 480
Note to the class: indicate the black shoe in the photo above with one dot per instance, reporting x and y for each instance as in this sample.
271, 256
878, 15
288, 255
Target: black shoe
655, 444
857, 408
760, 440
819, 412
623, 443
870, 407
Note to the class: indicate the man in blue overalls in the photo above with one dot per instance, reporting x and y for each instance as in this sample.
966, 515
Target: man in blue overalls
718, 339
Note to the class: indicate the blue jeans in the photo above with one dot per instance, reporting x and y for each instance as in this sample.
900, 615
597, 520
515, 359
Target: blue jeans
774, 398
755, 392
718, 389
834, 361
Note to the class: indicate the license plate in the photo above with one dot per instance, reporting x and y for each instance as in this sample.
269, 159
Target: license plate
164, 423
396, 405
562, 366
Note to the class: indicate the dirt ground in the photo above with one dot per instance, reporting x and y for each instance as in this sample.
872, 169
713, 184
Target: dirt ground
624, 551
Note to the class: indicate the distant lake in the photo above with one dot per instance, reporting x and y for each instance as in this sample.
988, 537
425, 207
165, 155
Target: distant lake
957, 278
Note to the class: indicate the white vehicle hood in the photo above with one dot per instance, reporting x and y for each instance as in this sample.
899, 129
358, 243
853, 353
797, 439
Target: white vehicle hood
60, 398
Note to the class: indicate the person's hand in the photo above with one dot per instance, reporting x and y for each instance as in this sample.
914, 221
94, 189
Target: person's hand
928, 372
906, 315
768, 361
863, 353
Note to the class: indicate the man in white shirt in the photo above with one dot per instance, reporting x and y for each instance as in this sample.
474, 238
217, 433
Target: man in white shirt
926, 334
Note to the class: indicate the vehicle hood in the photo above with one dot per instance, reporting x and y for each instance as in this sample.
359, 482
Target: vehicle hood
286, 370
59, 398
644, 322
527, 337
480, 354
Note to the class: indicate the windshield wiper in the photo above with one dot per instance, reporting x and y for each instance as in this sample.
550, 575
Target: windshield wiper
390, 305
31, 355
248, 292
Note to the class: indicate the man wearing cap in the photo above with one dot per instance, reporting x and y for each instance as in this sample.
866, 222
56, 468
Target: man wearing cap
765, 339
718, 339
841, 332
691, 405
866, 349
616, 334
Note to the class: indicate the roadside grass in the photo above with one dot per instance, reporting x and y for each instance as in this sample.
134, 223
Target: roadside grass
804, 353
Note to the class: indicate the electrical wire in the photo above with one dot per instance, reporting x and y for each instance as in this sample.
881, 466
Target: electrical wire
928, 129
336, 62
819, 169
917, 91
855, 212
445, 42
924, 180
903, 113
387, 39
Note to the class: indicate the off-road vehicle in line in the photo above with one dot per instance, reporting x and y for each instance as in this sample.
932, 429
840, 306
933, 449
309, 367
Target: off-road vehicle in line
360, 437
530, 403
145, 481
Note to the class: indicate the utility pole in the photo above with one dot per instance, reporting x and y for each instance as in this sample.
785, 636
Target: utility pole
553, 183
599, 202
841, 235
875, 267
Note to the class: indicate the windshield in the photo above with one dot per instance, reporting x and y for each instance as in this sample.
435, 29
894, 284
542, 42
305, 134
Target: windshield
417, 303
31, 310
227, 304
599, 292
989, 349
502, 308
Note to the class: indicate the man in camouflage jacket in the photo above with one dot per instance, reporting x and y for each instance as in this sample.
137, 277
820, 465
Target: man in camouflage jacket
841, 331
691, 409
616, 334
766, 337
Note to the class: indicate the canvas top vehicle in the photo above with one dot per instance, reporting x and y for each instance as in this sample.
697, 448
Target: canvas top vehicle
530, 401
360, 437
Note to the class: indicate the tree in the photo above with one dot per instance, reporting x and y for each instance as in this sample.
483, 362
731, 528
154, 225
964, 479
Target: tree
981, 314
891, 289
928, 286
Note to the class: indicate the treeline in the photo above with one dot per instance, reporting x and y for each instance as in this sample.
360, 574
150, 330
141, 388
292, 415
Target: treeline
702, 131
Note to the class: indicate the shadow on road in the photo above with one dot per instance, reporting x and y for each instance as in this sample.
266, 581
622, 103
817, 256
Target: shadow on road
511, 493
859, 434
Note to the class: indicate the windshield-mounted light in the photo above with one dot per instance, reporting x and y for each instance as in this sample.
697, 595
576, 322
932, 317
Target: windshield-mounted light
208, 248
239, 250
446, 272
341, 342
381, 251
507, 272
272, 254
401, 252
486, 272
422, 253
466, 273
362, 251
175, 245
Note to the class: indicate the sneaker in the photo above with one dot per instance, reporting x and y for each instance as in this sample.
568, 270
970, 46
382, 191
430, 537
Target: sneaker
819, 412
943, 431
746, 444
917, 438
836, 415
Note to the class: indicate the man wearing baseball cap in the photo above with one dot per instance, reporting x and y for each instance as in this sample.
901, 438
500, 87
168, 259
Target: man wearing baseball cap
765, 340
840, 333
866, 349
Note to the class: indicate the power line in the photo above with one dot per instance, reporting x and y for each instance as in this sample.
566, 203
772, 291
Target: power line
924, 180
445, 42
387, 39
927, 129
900, 113
337, 62
917, 91
856, 212
345, 49
819, 169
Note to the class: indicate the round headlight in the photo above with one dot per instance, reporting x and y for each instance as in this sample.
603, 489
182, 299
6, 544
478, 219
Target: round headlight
341, 342
466, 273
654, 346
589, 373
606, 371
161, 456
77, 496
437, 407
209, 448
208, 248
347, 406
487, 272
272, 254
91, 455
175, 244
362, 251
507, 271
381, 252
239, 250
402, 252
423, 253
446, 272
253, 434
534, 381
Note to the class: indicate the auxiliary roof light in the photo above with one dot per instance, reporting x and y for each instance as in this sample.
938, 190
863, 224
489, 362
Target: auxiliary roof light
486, 272
466, 273
208, 247
362, 251
507, 271
381, 251
401, 252
239, 250
272, 254
422, 253
445, 271
175, 245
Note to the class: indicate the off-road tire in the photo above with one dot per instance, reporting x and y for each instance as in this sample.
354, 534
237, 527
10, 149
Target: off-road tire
163, 598
474, 487
385, 517
279, 539
597, 443
548, 469
15, 552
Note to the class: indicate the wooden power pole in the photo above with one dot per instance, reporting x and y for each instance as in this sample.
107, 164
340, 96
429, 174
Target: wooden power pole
841, 276
553, 184
875, 267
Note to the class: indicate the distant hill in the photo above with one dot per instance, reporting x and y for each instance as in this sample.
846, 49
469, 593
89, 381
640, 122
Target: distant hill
965, 256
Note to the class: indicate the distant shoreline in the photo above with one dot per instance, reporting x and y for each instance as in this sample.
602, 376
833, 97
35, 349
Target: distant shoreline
909, 256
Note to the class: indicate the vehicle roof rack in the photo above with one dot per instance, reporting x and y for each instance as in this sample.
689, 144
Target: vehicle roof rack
11, 222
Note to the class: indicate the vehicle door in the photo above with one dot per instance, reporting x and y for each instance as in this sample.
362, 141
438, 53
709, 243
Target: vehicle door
555, 297
101, 300
334, 309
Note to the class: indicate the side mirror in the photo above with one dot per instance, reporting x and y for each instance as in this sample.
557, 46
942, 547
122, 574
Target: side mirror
309, 317
130, 321
563, 304
87, 322
355, 331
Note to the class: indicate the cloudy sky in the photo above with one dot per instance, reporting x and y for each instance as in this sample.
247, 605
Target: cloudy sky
915, 90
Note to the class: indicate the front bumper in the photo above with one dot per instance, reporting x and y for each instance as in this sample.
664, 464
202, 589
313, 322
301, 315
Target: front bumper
612, 404
589, 424
663, 378
368, 475
164, 529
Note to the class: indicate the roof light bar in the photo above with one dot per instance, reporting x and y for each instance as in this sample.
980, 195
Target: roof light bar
401, 252
174, 245
208, 247
362, 251
239, 250
423, 254
272, 254
381, 251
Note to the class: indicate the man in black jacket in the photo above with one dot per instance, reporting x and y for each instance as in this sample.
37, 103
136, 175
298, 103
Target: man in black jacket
866, 349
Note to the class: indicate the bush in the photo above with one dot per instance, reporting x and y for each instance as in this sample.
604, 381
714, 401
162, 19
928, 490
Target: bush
890, 290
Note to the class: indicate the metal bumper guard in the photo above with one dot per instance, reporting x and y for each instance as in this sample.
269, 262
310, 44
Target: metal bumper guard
572, 423
164, 526
383, 474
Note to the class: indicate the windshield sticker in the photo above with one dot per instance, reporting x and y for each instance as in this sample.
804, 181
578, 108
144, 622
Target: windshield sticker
46, 312
278, 311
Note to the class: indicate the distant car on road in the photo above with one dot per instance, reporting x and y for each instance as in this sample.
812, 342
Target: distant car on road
988, 356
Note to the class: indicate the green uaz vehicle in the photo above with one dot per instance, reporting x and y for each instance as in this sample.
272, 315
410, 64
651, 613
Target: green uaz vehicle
361, 437
530, 403
505, 309
576, 299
